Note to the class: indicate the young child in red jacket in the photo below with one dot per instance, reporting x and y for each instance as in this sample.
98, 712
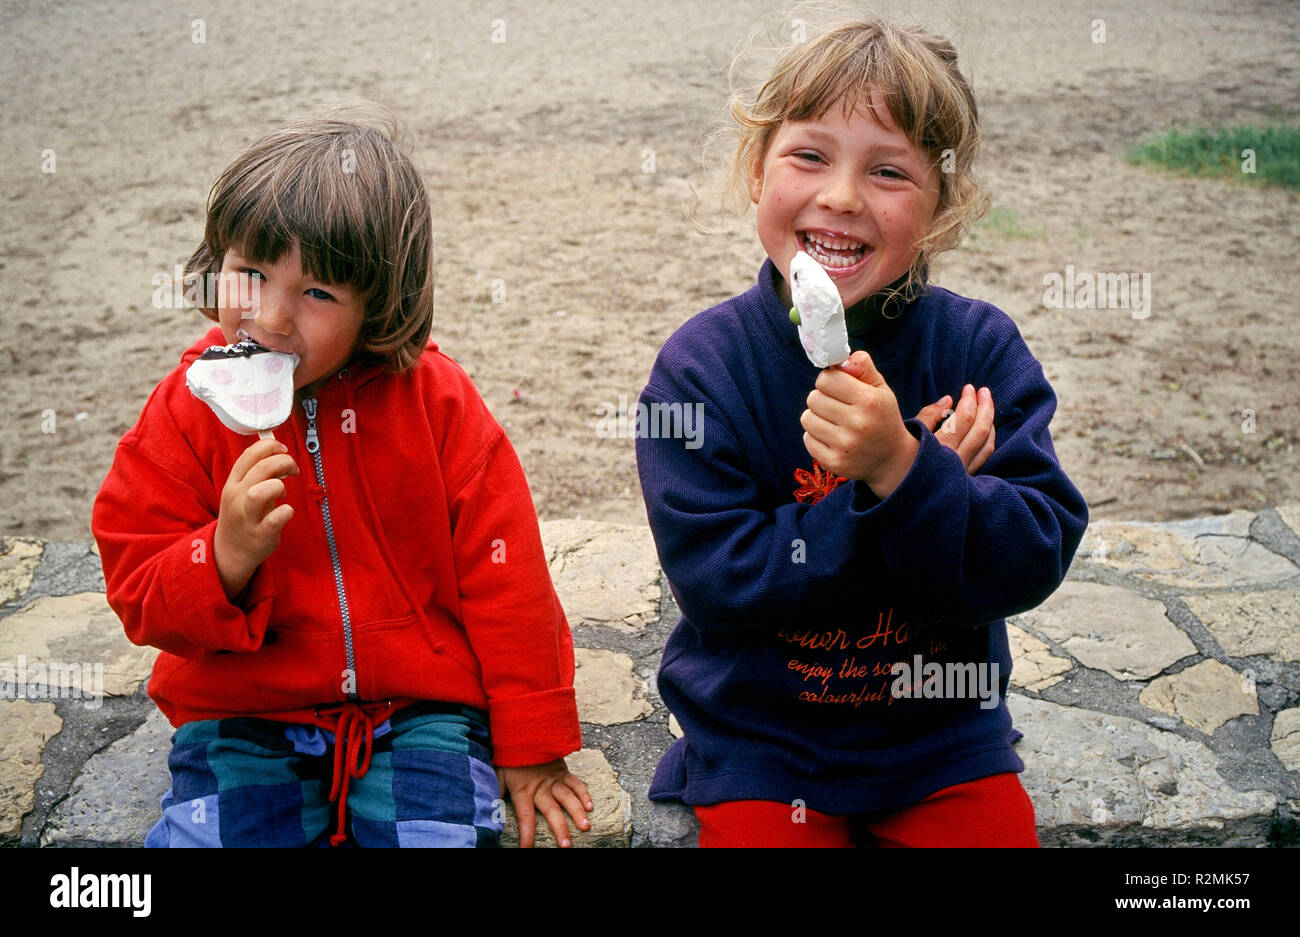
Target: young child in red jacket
357, 612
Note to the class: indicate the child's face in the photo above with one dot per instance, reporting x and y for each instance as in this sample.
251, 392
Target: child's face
852, 193
291, 312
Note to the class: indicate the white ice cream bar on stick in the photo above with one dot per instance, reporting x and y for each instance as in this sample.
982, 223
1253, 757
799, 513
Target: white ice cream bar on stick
818, 312
248, 386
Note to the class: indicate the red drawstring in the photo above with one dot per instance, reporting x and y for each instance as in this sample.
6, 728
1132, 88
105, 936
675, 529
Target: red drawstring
354, 742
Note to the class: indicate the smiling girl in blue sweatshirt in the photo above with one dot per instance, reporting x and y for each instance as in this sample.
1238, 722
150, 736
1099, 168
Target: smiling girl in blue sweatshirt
844, 573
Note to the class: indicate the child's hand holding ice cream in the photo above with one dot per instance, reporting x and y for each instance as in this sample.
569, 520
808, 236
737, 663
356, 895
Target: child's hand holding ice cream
250, 521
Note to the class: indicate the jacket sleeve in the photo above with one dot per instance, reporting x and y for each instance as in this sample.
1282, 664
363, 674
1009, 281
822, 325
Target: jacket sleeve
511, 614
944, 543
154, 521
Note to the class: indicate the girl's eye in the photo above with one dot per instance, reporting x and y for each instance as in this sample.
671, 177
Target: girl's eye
892, 173
809, 157
253, 273
314, 291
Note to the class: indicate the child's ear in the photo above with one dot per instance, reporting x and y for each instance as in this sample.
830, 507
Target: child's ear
755, 176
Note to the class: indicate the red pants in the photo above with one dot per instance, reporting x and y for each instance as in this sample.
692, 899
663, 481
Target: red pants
992, 811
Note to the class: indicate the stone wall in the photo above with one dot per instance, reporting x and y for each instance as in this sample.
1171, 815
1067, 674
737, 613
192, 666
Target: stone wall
1158, 689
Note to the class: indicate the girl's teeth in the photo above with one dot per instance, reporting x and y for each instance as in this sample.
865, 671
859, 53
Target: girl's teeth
829, 258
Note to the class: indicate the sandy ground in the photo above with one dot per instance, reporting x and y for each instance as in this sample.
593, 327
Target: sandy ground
534, 151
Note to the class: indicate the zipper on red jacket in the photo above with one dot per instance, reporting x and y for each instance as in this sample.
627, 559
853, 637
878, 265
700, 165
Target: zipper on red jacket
313, 448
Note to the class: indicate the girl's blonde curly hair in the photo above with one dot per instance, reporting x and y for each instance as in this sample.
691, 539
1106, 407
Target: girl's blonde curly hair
927, 96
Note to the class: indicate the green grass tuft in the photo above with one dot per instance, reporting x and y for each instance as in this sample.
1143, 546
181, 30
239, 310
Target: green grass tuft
1005, 223
1218, 152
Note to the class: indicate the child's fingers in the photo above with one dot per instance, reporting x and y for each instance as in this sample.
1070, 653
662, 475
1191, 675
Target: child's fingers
550, 808
845, 387
254, 454
276, 520
981, 429
575, 784
263, 495
984, 416
274, 466
963, 417
572, 805
527, 819
983, 455
858, 366
832, 410
825, 432
823, 453
933, 414
968, 404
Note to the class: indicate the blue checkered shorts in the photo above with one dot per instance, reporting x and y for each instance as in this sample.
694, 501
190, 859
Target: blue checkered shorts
255, 782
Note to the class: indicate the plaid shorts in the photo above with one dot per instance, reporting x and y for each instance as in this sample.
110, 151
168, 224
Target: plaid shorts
255, 782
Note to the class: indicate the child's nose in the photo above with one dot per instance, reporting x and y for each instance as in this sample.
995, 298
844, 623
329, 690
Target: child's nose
274, 315
841, 193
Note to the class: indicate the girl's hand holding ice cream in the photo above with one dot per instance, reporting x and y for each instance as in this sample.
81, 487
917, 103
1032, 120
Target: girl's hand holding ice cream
853, 428
249, 525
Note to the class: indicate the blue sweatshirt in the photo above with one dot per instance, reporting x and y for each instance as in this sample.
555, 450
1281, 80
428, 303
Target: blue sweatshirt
786, 668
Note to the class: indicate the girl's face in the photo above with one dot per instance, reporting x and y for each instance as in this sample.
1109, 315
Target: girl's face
852, 193
289, 311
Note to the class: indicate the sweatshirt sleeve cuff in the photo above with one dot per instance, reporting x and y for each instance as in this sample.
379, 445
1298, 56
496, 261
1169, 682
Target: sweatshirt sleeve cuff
936, 477
535, 728
196, 601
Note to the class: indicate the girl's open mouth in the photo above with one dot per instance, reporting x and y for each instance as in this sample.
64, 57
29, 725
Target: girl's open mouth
838, 256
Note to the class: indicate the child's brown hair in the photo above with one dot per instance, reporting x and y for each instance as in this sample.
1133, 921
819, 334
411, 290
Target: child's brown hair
927, 96
343, 188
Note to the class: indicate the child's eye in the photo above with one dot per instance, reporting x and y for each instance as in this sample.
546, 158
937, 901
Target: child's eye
254, 273
314, 291
892, 173
810, 157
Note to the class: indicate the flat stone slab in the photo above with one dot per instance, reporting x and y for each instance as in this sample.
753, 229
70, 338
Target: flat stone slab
116, 798
608, 690
1290, 514
1033, 665
1110, 628
1234, 524
1204, 696
25, 727
605, 574
1285, 740
1251, 623
1209, 552
19, 558
1111, 780
67, 641
611, 821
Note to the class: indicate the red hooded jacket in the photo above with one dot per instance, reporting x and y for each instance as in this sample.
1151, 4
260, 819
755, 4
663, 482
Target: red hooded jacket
439, 562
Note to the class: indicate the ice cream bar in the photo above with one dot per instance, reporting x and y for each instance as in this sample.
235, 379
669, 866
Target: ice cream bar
248, 386
818, 312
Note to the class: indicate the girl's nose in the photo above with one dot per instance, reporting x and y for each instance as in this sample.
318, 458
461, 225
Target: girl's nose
841, 194
273, 314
